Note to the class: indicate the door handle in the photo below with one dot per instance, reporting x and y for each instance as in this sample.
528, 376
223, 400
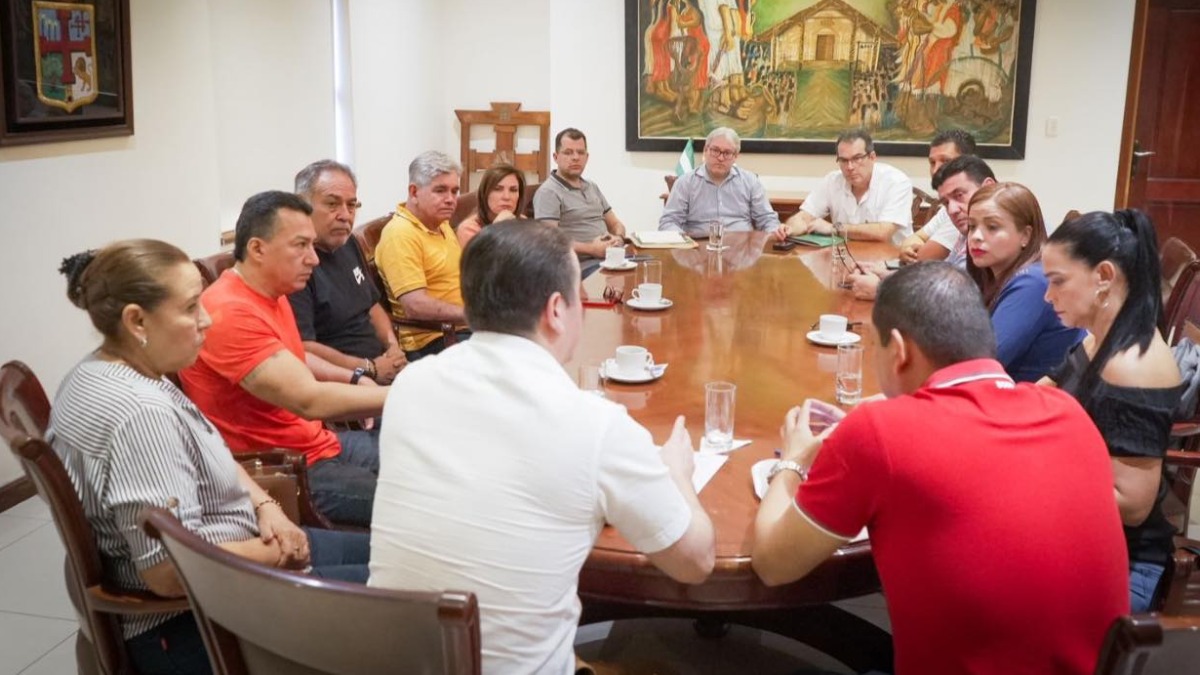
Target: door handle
1143, 153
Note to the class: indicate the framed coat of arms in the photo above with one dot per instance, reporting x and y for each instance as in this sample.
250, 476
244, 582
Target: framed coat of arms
789, 75
64, 70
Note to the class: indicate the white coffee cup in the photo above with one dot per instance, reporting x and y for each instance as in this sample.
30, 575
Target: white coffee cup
614, 256
633, 360
649, 294
833, 326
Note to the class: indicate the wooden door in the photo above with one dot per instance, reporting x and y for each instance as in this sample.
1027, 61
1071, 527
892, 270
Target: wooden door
1160, 167
824, 48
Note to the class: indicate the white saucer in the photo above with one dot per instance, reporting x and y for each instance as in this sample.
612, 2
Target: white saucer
623, 267
609, 371
637, 303
848, 338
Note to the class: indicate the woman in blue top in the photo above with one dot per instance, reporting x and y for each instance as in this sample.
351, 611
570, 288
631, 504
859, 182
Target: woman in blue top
1104, 276
1005, 242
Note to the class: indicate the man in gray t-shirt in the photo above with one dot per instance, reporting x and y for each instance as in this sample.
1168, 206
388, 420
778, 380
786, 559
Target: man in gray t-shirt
576, 205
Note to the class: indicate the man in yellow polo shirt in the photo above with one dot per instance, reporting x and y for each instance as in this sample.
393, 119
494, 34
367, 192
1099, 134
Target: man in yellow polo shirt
418, 254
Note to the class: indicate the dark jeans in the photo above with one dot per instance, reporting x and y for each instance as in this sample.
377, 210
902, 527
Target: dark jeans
435, 347
343, 487
176, 648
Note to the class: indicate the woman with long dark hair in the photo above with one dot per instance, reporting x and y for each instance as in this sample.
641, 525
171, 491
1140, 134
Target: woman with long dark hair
1004, 243
1103, 274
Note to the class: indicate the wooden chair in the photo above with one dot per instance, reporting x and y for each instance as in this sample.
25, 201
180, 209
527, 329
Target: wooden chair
923, 208
1150, 644
303, 624
99, 645
212, 266
367, 235
1175, 256
504, 118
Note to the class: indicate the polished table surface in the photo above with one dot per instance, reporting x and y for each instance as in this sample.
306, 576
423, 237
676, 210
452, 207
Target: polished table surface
739, 315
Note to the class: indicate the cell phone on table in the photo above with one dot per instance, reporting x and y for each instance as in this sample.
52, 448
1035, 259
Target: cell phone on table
785, 245
893, 264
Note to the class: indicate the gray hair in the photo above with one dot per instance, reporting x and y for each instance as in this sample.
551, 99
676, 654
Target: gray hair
309, 175
429, 165
726, 133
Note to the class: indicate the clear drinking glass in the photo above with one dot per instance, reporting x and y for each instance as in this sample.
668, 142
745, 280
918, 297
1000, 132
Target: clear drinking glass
849, 374
590, 379
718, 415
650, 272
839, 268
716, 235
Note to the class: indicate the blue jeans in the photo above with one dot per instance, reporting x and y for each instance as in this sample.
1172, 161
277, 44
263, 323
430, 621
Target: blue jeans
343, 487
435, 347
1143, 585
176, 648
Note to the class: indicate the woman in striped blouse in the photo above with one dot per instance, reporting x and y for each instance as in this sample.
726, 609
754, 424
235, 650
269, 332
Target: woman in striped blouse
129, 438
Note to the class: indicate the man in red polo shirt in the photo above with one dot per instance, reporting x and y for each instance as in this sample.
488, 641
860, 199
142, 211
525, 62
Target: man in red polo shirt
989, 504
252, 379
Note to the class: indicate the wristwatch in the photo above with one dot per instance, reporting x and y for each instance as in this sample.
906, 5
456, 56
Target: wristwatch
787, 465
358, 373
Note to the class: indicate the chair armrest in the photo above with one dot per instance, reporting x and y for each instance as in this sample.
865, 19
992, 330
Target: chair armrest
295, 464
1184, 429
1177, 577
448, 329
132, 603
1183, 458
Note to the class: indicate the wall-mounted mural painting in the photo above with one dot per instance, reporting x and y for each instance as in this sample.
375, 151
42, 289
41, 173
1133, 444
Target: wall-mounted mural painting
789, 75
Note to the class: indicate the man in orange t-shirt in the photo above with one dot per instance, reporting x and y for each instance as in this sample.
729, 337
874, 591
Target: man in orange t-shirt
252, 379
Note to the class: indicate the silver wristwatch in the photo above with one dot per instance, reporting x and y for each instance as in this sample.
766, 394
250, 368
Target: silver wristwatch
787, 465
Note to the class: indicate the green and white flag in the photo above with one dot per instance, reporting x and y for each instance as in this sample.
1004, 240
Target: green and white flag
687, 159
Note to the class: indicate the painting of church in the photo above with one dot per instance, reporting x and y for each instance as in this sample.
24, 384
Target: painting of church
804, 70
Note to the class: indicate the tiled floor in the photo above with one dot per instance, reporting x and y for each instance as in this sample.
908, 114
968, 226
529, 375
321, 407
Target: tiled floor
37, 624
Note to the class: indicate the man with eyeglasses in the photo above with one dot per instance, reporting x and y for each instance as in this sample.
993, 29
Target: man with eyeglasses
337, 312
869, 200
719, 191
575, 205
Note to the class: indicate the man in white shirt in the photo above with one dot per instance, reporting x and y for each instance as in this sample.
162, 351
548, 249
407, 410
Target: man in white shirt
947, 145
497, 473
869, 200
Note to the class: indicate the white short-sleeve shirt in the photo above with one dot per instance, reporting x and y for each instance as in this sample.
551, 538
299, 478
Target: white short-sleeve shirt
943, 231
888, 199
496, 475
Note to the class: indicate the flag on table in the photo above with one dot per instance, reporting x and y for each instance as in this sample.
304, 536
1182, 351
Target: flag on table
687, 159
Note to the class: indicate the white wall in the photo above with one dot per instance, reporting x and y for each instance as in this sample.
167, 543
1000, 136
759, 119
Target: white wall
221, 110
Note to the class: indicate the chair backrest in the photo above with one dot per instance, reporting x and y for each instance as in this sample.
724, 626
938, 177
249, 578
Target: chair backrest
368, 235
1183, 305
212, 266
1148, 644
504, 118
23, 403
1175, 256
305, 625
24, 418
923, 208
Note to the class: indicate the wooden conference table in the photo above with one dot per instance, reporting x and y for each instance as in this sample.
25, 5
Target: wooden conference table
740, 315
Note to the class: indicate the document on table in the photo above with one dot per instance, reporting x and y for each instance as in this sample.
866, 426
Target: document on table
707, 466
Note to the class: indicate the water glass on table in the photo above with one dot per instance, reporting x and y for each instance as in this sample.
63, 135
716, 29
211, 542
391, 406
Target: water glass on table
649, 272
716, 235
848, 381
590, 379
718, 415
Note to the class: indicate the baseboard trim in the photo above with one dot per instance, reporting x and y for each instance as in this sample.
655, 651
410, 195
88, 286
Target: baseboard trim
16, 492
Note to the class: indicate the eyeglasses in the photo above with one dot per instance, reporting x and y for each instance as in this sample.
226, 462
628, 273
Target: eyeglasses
337, 204
853, 161
721, 154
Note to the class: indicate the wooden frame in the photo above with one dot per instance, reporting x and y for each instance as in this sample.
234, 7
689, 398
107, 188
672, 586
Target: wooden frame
79, 87
504, 118
793, 79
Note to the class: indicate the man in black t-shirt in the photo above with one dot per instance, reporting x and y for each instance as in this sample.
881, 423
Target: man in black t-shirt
338, 311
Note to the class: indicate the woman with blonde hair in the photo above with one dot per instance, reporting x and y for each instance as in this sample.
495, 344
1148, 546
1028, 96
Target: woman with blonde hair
501, 194
1004, 243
